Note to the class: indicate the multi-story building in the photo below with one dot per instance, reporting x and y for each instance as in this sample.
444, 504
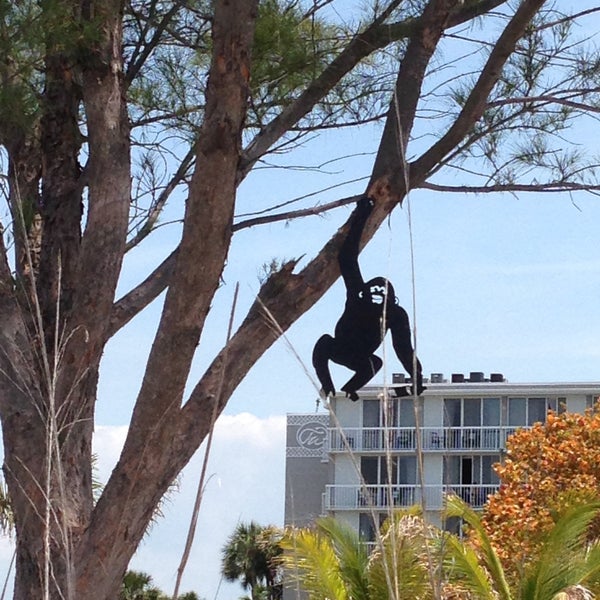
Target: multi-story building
360, 459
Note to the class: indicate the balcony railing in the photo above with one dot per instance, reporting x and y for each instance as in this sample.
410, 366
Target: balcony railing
381, 497
433, 439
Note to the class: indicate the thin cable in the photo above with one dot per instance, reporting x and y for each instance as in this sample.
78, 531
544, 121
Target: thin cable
435, 584
200, 491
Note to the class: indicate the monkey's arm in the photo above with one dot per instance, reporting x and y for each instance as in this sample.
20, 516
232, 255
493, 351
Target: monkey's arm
348, 256
401, 340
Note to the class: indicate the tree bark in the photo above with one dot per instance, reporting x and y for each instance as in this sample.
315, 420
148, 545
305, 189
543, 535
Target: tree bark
47, 399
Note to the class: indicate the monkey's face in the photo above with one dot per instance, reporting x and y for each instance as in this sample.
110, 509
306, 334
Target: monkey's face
377, 291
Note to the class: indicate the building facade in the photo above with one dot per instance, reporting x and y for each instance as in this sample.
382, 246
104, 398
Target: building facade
359, 460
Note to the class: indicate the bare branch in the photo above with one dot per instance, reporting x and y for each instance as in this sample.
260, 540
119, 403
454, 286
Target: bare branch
295, 214
477, 100
142, 51
158, 206
556, 187
549, 99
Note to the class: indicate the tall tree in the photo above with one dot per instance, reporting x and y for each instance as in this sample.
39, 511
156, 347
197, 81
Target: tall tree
93, 95
547, 468
250, 556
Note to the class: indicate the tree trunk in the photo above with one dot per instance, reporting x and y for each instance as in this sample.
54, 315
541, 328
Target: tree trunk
52, 342
143, 475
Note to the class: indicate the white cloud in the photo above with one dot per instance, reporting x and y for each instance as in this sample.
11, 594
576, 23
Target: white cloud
107, 444
245, 481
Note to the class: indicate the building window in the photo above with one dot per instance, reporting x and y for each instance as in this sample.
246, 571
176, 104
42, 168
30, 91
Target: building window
406, 412
371, 413
524, 412
400, 413
467, 470
374, 469
366, 526
471, 477
471, 412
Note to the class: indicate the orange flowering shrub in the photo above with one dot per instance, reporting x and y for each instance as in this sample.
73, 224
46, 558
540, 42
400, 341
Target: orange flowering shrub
547, 468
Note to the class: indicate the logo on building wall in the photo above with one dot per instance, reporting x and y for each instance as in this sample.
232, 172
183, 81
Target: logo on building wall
309, 432
311, 436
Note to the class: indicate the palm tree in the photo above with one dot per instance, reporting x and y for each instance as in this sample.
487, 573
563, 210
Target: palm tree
401, 566
330, 562
138, 586
413, 560
250, 556
567, 559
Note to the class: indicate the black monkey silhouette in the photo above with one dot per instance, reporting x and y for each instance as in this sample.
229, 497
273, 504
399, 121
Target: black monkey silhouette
371, 310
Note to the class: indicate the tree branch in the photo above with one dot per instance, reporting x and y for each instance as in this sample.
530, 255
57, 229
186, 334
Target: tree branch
144, 470
127, 307
159, 205
139, 57
545, 99
390, 161
376, 36
555, 186
477, 101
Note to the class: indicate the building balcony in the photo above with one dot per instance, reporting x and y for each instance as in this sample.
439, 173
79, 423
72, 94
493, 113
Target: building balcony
433, 439
383, 497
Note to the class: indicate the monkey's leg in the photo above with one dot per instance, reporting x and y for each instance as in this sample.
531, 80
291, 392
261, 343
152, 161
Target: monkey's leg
365, 371
320, 359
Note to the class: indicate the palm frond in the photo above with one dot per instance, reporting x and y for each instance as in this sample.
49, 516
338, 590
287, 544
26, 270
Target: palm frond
456, 507
353, 556
565, 559
398, 567
309, 558
462, 566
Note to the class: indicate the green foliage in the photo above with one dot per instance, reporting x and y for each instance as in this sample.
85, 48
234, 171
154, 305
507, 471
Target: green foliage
399, 566
566, 558
311, 562
330, 562
413, 560
477, 571
138, 585
20, 61
530, 115
352, 556
289, 52
251, 555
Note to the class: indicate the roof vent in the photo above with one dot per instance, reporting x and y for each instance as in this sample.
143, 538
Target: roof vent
398, 378
496, 377
458, 378
437, 378
476, 377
